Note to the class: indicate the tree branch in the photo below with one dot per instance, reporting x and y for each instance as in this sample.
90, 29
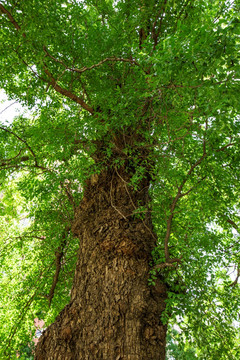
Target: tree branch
59, 255
7, 107
173, 206
187, 192
131, 61
66, 187
155, 34
6, 163
233, 224
11, 18
23, 141
169, 263
85, 68
180, 195
58, 258
52, 81
66, 92
237, 277
224, 147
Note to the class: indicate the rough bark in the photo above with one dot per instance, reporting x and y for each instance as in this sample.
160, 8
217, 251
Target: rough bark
113, 314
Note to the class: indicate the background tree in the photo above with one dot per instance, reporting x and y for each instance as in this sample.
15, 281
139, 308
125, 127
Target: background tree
127, 172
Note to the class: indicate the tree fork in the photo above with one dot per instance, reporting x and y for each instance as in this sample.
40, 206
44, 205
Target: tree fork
113, 313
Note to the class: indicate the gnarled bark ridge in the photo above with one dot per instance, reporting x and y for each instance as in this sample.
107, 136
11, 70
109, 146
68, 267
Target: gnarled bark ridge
113, 314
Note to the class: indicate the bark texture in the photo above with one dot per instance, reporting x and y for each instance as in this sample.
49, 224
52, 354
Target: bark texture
113, 313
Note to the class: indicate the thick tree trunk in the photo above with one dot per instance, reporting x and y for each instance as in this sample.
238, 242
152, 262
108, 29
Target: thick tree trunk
113, 314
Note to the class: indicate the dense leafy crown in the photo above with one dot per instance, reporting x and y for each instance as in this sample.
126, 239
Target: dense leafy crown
88, 70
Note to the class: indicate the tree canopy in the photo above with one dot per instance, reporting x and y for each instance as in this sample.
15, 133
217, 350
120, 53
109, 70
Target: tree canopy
163, 74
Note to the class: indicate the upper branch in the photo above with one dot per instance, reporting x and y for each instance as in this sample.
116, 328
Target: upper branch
131, 61
11, 18
66, 92
85, 68
155, 33
52, 80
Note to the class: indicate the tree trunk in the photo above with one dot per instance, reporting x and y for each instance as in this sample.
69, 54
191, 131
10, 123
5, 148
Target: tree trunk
113, 314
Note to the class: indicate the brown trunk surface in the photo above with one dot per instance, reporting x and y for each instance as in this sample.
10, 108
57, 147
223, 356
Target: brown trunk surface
113, 314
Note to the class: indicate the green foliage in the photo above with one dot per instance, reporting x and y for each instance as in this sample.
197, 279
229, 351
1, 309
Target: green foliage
178, 350
161, 76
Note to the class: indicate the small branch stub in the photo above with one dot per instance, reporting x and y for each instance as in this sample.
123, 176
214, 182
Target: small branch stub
169, 263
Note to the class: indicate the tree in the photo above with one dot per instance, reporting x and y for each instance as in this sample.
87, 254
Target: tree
132, 150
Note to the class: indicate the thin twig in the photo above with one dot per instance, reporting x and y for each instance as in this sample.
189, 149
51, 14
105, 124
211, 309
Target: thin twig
22, 140
15, 102
173, 206
237, 277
